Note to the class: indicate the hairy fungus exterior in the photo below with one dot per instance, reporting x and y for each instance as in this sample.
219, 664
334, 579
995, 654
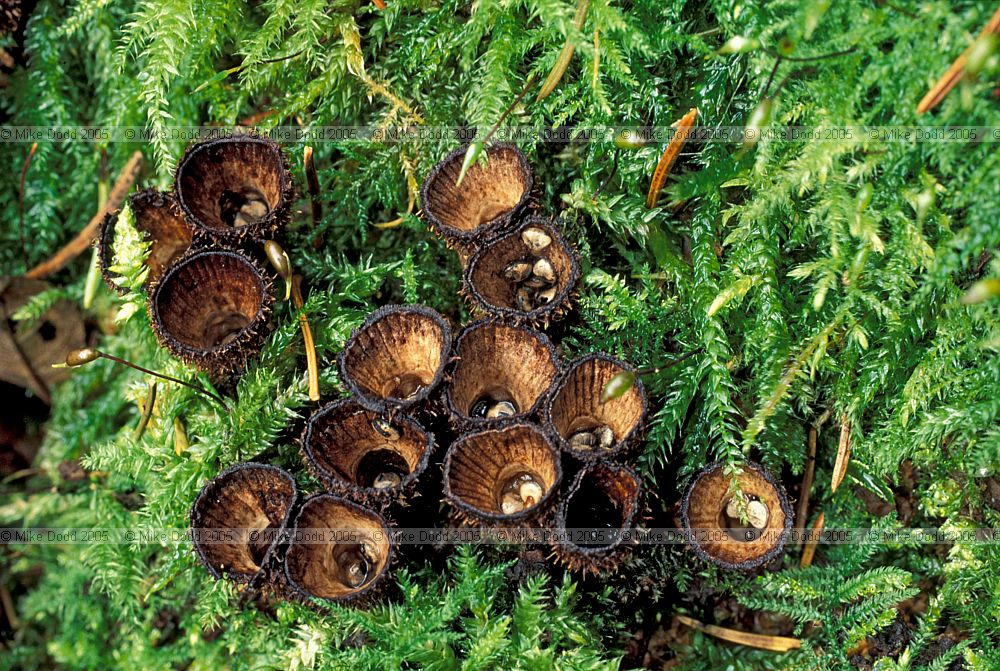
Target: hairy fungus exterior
575, 405
347, 446
595, 515
327, 529
239, 520
211, 310
158, 217
479, 464
234, 189
492, 293
396, 358
499, 362
489, 200
703, 513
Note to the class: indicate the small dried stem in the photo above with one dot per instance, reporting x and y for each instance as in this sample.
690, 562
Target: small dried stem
312, 366
189, 385
147, 410
312, 180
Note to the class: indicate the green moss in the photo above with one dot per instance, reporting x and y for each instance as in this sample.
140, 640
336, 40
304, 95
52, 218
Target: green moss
809, 277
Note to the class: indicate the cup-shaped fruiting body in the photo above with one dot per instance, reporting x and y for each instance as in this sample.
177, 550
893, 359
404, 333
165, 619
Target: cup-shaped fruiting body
397, 357
159, 219
210, 309
240, 517
583, 426
339, 551
365, 456
234, 188
526, 275
595, 515
489, 200
501, 372
502, 476
742, 528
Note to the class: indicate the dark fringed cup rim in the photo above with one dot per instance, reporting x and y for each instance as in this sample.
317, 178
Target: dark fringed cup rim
540, 315
371, 589
351, 490
234, 355
269, 225
105, 251
753, 562
210, 487
623, 445
466, 423
106, 239
471, 512
389, 405
596, 559
468, 240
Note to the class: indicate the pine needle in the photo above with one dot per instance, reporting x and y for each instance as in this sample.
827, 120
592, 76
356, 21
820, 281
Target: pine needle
565, 56
670, 155
810, 550
312, 366
955, 73
843, 454
759, 641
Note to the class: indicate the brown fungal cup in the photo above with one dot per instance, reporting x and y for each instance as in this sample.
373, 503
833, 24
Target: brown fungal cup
234, 188
502, 372
253, 503
501, 476
340, 551
596, 512
362, 455
574, 410
159, 219
746, 544
497, 285
488, 201
397, 357
210, 309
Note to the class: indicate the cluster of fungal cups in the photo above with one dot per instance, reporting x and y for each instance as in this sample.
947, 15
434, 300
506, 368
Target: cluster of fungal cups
521, 408
209, 297
526, 440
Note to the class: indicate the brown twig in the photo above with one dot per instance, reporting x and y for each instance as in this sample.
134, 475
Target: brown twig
955, 73
78, 244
